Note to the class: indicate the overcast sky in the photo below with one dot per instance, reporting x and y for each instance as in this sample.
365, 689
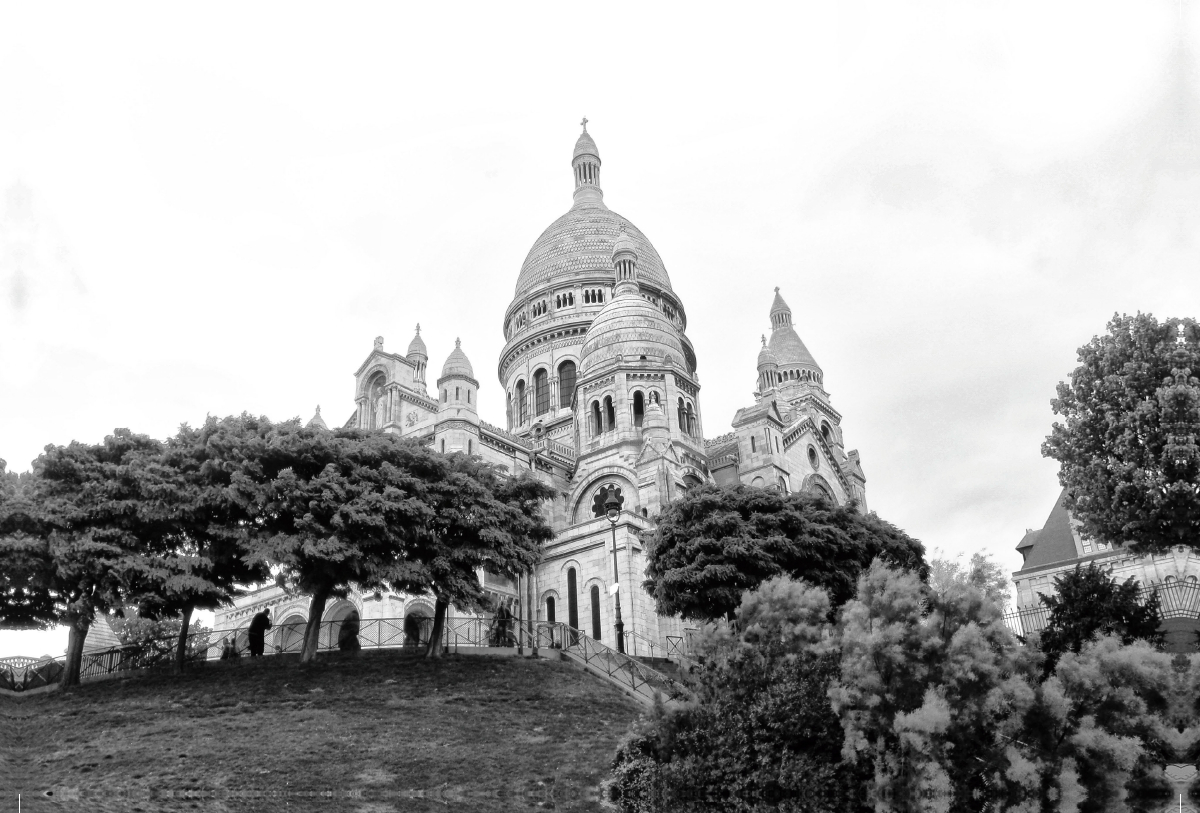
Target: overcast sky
212, 212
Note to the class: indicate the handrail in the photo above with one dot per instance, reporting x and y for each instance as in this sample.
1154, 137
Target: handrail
619, 667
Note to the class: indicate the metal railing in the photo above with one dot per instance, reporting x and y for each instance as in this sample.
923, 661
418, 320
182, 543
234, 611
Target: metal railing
1177, 599
620, 668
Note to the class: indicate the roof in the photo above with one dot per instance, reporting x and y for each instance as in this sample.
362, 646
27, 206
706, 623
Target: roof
789, 350
585, 145
457, 363
317, 421
417, 345
580, 244
767, 410
1055, 542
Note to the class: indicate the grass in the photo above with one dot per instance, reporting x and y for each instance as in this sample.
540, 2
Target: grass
382, 731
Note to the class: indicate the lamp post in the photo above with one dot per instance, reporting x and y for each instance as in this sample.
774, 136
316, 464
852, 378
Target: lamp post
612, 509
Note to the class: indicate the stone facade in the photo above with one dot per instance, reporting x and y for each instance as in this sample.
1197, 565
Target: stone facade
1058, 547
602, 396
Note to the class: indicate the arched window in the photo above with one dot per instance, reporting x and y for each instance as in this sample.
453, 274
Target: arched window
825, 432
639, 408
443, 445
444, 395
691, 421
596, 426
596, 612
753, 444
566, 384
572, 600
468, 395
470, 447
457, 393
550, 609
600, 499
682, 417
610, 414
541, 392
522, 404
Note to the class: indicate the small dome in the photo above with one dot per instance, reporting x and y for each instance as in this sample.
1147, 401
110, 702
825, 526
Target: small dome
457, 363
766, 356
317, 422
585, 146
624, 244
631, 327
417, 346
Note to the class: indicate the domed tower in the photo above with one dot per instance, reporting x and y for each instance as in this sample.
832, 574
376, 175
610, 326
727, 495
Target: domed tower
632, 370
768, 371
419, 356
565, 281
457, 426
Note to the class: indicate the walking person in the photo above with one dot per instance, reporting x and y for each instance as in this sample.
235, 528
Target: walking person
257, 633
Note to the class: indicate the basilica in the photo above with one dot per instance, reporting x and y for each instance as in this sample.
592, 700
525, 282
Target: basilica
602, 401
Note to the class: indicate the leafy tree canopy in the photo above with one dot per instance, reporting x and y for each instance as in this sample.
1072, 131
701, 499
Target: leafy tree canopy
717, 542
1091, 603
1128, 445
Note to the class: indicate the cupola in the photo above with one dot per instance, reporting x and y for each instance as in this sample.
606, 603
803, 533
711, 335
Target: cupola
624, 257
418, 355
585, 162
457, 385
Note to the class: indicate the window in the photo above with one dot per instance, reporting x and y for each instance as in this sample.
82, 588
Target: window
566, 384
600, 500
597, 427
443, 396
550, 609
610, 414
468, 395
639, 408
753, 445
776, 444
470, 447
682, 417
572, 601
522, 404
541, 392
596, 612
457, 393
691, 421
443, 445
825, 432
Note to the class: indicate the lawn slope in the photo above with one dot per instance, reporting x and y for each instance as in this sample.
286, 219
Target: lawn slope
378, 732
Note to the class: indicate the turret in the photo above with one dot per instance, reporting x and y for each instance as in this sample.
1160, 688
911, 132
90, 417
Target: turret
768, 368
585, 163
419, 356
457, 426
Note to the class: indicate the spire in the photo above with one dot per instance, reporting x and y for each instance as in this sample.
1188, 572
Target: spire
625, 258
585, 163
781, 314
419, 356
317, 422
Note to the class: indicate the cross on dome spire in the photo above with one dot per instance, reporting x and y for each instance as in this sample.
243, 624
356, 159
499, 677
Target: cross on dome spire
418, 328
585, 163
584, 123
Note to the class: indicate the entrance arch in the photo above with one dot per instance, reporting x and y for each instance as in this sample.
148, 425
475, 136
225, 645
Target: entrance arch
331, 622
290, 634
418, 624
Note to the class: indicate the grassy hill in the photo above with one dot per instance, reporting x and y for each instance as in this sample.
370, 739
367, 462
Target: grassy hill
378, 732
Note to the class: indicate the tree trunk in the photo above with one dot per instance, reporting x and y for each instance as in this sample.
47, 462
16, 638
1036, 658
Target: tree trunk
78, 634
181, 646
312, 630
434, 650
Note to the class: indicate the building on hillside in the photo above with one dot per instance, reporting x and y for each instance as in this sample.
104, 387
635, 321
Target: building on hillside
1058, 547
601, 397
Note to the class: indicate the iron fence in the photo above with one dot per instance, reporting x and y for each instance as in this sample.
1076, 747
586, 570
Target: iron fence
619, 667
1177, 599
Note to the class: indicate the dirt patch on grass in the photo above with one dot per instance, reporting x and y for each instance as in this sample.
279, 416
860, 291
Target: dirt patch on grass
382, 731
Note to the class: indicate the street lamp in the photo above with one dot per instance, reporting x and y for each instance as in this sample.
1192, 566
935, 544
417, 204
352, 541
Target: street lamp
612, 509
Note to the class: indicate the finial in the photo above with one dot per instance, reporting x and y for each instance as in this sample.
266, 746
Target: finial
764, 340
457, 343
584, 123
776, 289
418, 328
318, 409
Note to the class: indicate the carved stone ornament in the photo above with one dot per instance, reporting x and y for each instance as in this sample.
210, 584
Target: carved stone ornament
411, 418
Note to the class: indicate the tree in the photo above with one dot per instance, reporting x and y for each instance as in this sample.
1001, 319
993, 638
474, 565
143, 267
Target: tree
480, 519
325, 510
200, 561
761, 732
1128, 447
24, 603
981, 572
1090, 603
90, 538
717, 542
931, 692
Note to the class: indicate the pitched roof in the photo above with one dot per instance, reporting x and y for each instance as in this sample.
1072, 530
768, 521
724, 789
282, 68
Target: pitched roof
1055, 542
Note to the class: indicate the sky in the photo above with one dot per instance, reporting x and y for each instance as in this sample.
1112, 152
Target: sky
216, 209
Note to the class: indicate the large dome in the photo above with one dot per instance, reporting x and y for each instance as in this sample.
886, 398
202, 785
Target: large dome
580, 243
630, 326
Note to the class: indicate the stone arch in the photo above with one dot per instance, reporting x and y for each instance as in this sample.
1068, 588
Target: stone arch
581, 499
550, 598
817, 485
364, 386
418, 622
289, 635
331, 621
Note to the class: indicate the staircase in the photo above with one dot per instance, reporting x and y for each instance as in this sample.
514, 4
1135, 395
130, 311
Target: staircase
631, 675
